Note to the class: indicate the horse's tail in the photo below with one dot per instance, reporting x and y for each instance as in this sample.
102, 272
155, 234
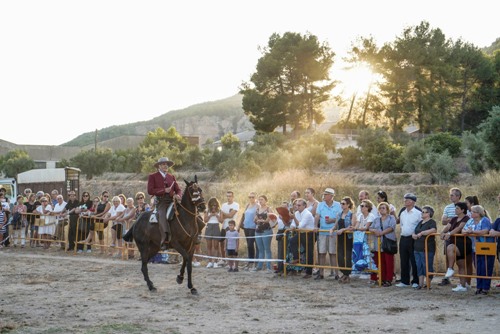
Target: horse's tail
129, 236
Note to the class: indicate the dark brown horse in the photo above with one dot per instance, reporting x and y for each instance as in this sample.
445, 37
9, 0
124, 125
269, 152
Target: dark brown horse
184, 229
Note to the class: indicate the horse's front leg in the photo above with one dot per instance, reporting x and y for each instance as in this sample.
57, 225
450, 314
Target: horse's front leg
180, 277
189, 261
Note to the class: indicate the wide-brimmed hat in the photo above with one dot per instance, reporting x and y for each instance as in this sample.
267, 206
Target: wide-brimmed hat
163, 160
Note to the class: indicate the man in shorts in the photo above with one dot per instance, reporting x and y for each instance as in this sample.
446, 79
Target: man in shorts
324, 220
448, 214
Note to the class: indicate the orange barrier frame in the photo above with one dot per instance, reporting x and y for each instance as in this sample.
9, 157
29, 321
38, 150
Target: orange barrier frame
482, 249
315, 265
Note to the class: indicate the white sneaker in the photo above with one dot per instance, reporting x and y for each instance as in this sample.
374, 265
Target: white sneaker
196, 264
449, 273
221, 262
459, 288
80, 251
89, 250
467, 285
210, 265
216, 265
414, 285
402, 285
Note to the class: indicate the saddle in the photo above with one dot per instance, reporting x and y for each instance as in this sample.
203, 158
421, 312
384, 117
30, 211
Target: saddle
170, 214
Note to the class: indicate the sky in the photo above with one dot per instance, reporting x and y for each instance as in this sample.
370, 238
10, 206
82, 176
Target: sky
70, 67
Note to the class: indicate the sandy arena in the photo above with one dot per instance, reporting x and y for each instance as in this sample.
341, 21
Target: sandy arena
55, 292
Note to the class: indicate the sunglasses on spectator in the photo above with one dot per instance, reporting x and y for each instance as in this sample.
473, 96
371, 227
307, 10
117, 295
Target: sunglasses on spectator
140, 197
363, 206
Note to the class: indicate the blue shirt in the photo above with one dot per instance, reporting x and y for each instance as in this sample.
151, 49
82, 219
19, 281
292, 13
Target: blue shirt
484, 224
249, 217
332, 212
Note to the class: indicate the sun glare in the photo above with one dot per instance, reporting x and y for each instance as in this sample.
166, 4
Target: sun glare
356, 80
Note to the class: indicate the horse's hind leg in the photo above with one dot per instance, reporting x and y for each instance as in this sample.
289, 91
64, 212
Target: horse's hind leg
144, 269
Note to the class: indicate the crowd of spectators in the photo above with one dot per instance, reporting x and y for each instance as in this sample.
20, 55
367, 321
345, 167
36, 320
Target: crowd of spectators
312, 228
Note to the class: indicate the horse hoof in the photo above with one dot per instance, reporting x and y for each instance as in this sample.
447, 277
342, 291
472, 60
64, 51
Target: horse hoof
179, 279
152, 289
194, 291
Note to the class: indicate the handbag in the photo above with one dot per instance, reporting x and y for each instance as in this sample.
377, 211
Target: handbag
389, 246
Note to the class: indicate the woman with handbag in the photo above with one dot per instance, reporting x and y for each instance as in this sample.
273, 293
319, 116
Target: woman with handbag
384, 226
425, 227
342, 225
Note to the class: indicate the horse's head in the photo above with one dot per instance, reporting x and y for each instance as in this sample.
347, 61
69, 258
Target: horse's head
194, 194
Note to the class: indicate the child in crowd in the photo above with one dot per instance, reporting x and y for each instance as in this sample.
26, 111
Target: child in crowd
232, 245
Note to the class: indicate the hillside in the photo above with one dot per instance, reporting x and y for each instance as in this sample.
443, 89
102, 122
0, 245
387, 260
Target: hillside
493, 47
206, 120
209, 120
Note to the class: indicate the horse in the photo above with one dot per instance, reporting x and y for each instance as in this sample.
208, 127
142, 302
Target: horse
184, 230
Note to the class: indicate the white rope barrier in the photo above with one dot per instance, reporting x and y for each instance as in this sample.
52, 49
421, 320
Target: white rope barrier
244, 237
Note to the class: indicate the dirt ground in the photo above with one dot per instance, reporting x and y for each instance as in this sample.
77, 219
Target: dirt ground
55, 292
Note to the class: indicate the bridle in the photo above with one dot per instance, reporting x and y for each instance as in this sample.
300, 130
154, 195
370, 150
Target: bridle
194, 197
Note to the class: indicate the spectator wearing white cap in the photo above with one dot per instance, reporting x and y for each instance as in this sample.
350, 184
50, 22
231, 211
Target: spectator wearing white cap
408, 219
325, 218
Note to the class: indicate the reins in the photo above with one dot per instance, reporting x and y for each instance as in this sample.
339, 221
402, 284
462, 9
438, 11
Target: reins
194, 214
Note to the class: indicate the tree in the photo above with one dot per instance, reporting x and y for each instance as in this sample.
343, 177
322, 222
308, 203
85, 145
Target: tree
161, 143
15, 162
171, 137
230, 142
93, 163
472, 69
489, 132
291, 83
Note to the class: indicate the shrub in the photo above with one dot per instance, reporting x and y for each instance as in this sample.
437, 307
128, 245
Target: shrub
439, 166
441, 142
349, 156
413, 154
379, 153
318, 138
386, 157
311, 157
475, 152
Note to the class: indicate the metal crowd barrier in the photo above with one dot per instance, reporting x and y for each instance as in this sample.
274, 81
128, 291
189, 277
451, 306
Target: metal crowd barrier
301, 263
483, 248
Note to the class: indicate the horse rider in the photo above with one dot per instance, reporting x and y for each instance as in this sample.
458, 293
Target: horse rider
164, 186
